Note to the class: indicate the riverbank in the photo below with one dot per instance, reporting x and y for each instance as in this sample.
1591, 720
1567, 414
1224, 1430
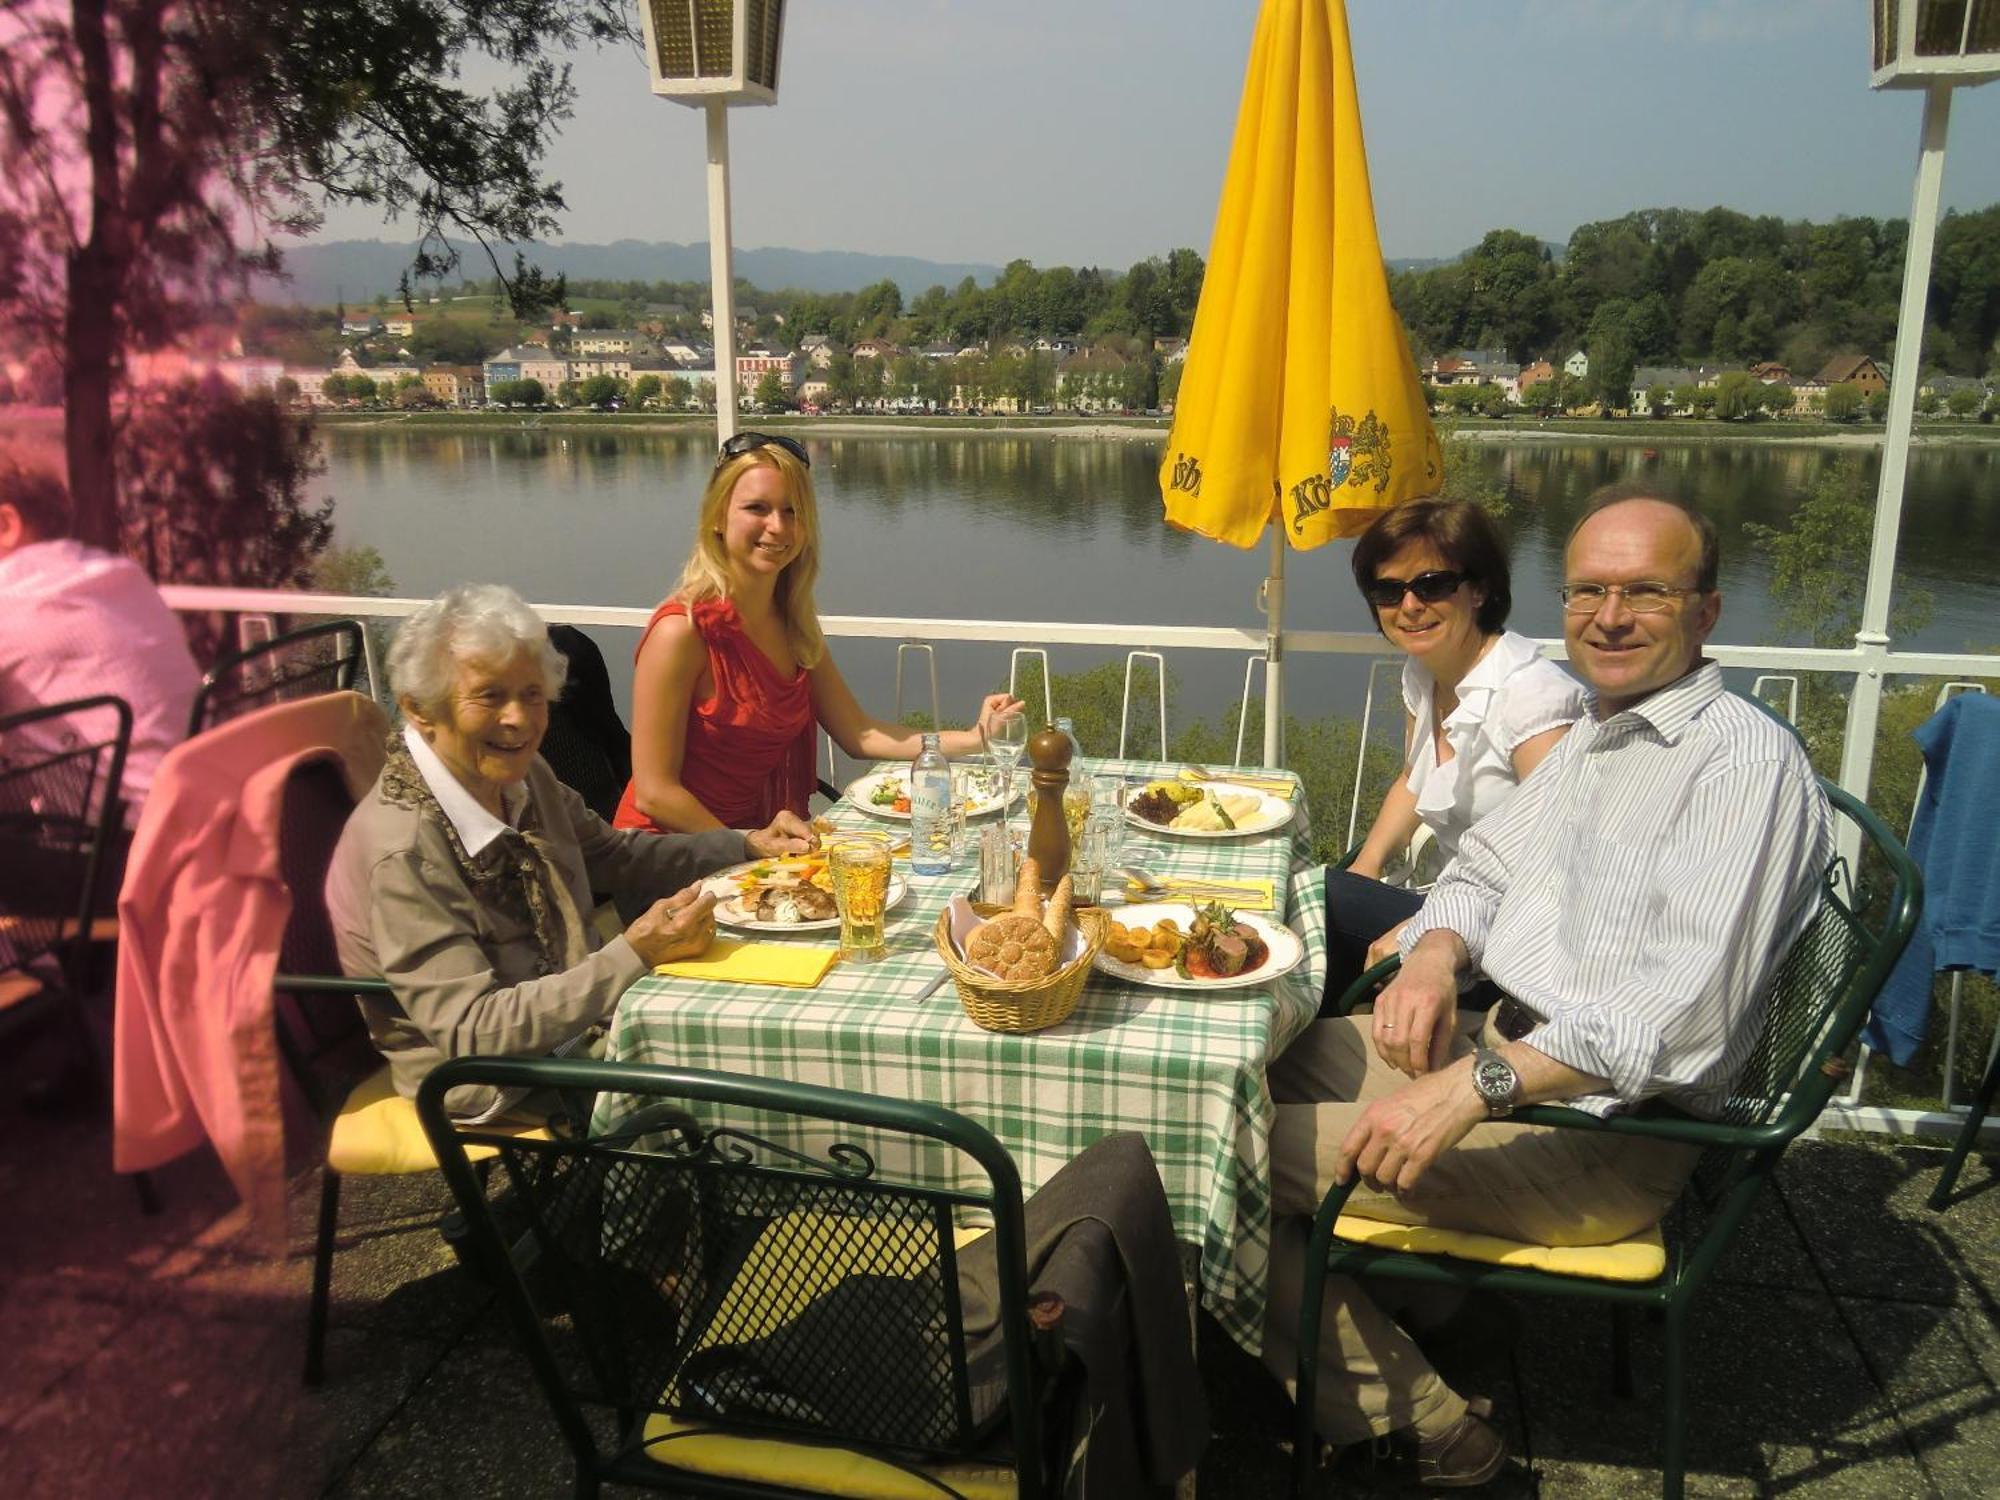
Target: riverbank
1642, 432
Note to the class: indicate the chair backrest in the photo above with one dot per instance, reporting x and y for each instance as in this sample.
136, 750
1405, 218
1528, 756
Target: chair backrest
1820, 997
321, 1035
60, 770
777, 1283
587, 744
324, 658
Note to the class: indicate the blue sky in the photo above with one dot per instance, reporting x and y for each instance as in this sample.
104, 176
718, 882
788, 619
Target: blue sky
1094, 131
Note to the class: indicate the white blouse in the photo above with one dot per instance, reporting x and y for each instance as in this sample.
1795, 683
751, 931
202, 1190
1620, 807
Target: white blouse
1510, 695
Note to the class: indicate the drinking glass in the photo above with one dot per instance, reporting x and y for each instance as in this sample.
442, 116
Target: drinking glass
1007, 742
999, 860
859, 865
1090, 858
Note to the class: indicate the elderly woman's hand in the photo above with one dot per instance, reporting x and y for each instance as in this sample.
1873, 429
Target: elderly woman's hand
788, 833
678, 926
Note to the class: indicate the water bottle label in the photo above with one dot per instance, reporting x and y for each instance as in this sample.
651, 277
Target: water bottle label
930, 827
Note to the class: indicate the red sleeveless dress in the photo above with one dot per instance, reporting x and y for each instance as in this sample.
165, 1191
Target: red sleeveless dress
749, 748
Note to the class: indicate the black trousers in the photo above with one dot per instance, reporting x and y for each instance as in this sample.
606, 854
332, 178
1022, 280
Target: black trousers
1358, 911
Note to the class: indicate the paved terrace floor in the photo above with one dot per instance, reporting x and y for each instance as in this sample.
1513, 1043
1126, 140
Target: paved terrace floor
1850, 1349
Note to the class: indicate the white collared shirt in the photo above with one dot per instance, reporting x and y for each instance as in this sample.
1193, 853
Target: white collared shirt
76, 623
476, 826
1639, 890
1511, 694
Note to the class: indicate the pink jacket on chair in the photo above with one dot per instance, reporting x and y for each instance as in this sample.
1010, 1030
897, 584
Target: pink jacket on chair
200, 920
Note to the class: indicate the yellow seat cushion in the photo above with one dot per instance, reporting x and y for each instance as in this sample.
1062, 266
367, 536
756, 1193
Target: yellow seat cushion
1641, 1258
16, 987
798, 1247
378, 1134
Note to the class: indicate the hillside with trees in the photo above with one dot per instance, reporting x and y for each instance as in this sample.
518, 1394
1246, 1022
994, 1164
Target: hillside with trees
1677, 286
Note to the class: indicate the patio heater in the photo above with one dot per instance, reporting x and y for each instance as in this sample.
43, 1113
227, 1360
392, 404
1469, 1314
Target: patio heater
708, 55
1936, 46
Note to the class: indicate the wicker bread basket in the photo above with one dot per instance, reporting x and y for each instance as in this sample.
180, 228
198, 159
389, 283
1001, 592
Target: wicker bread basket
1021, 1005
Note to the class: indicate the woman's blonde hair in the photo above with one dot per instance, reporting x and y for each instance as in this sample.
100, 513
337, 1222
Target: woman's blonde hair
706, 575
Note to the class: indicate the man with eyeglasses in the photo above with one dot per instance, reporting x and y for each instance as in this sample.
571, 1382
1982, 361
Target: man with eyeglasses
1632, 900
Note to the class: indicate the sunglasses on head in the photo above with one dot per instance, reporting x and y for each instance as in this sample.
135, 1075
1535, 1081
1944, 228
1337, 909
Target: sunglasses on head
1439, 583
749, 442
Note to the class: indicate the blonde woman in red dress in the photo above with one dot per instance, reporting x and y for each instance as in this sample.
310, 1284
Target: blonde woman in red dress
733, 672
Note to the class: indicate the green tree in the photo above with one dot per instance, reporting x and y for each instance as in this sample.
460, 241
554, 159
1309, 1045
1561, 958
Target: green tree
362, 388
1657, 399
1964, 401
414, 395
568, 393
531, 393
675, 390
774, 395
1878, 406
1929, 403
600, 390
286, 390
646, 390
1736, 396
1843, 402
245, 518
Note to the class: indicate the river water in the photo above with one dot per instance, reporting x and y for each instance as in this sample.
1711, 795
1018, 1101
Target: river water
1005, 527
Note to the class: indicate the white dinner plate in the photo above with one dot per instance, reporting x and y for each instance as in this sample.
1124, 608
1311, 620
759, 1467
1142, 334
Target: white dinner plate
731, 912
989, 792
1272, 812
1286, 950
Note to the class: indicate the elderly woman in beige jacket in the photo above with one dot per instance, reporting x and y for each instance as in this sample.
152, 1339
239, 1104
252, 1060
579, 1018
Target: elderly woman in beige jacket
464, 877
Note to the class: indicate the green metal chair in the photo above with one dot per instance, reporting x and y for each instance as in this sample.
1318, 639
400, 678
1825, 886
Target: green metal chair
759, 1312
323, 658
1818, 1002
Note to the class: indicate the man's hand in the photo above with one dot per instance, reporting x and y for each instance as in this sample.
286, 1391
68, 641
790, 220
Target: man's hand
788, 833
678, 926
1416, 1011
1399, 1135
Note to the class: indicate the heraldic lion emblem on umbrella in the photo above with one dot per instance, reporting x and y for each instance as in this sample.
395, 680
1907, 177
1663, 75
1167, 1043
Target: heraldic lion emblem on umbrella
1357, 453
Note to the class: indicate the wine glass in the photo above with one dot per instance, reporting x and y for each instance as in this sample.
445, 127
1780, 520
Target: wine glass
1007, 742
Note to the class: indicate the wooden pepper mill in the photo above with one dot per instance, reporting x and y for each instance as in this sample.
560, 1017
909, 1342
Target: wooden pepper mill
1048, 836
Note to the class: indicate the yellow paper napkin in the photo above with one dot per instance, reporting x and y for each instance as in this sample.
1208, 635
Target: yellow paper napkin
1250, 895
734, 961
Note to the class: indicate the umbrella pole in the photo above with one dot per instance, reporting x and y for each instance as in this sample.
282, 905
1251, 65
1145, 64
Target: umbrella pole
1274, 653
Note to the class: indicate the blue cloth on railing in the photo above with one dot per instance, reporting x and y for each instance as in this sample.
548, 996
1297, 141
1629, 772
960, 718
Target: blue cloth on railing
1952, 839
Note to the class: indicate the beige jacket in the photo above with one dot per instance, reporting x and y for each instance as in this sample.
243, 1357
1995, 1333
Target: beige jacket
468, 972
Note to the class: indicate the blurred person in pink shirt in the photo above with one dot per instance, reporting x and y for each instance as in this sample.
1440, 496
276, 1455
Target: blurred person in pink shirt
76, 622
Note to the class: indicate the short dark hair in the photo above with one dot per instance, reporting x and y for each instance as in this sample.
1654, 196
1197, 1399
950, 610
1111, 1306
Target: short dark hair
41, 499
1464, 535
1708, 569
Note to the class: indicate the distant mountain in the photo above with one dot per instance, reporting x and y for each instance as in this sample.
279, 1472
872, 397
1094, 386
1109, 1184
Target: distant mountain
358, 270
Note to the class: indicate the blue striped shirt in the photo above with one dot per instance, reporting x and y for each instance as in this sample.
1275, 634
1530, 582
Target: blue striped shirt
1638, 891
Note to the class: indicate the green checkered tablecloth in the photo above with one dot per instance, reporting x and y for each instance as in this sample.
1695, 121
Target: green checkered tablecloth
1185, 1071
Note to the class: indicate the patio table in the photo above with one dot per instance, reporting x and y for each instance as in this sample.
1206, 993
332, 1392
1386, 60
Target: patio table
1184, 1070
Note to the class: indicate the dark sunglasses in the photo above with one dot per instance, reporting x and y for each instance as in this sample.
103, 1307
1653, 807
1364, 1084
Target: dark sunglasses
1439, 583
750, 442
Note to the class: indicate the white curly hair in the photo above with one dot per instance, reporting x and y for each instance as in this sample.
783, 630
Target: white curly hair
484, 622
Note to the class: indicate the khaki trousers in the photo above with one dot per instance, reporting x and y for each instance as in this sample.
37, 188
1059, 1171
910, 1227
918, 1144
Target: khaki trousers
1522, 1182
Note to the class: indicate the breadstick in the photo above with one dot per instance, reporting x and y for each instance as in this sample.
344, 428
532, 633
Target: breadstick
1028, 889
1056, 918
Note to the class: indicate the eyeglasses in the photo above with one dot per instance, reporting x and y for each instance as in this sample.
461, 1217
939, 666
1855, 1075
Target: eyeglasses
1387, 593
750, 442
1647, 597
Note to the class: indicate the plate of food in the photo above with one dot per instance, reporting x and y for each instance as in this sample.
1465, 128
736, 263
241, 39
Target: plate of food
886, 794
1210, 810
1181, 945
792, 894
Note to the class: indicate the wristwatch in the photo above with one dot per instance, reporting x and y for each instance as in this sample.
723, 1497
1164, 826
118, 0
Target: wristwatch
1497, 1082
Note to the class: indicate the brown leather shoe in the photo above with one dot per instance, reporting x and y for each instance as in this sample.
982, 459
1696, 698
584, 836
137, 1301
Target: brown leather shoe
1468, 1453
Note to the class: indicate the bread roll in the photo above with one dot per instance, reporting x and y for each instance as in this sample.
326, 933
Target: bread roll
1012, 946
1056, 918
1028, 889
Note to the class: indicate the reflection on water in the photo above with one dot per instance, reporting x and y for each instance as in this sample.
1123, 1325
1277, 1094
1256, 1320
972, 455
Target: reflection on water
1005, 527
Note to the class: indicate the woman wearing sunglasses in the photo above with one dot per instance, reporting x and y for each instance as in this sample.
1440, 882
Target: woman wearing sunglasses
1481, 708
733, 671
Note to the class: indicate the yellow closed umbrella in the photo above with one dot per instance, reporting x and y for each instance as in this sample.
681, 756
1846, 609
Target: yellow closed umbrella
1300, 402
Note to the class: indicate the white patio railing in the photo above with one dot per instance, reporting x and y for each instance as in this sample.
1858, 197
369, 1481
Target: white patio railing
1778, 668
